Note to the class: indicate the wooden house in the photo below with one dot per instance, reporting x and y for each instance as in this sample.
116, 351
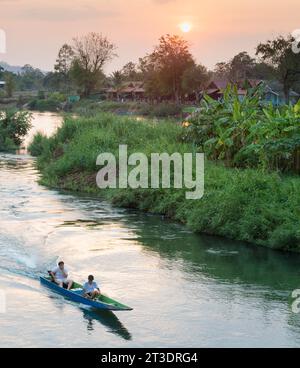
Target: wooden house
127, 91
215, 89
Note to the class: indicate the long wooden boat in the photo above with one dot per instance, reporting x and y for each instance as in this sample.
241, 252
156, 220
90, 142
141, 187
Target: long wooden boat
103, 302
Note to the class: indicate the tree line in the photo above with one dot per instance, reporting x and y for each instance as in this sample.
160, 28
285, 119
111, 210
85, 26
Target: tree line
170, 70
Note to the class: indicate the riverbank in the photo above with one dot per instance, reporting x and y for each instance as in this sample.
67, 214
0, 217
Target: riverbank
91, 106
249, 205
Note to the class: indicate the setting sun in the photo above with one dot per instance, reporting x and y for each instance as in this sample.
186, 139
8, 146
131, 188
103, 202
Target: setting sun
185, 27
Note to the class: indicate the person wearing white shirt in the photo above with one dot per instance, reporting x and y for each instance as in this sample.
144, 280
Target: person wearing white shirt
60, 276
90, 289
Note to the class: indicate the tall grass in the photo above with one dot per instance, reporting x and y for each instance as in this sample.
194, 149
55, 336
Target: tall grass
249, 204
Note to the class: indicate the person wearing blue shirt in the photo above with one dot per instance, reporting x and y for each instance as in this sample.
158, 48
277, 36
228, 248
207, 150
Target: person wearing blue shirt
90, 289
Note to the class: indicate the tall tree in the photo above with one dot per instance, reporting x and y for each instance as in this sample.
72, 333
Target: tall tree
169, 60
116, 78
64, 59
241, 67
53, 81
263, 71
194, 79
151, 78
129, 72
286, 64
62, 68
91, 53
222, 70
31, 78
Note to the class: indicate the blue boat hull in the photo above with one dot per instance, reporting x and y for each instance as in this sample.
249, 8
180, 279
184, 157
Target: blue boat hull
77, 297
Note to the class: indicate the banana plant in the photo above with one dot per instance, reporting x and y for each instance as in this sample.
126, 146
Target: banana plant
248, 132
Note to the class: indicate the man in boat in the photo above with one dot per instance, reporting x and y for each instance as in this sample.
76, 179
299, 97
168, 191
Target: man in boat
60, 276
91, 289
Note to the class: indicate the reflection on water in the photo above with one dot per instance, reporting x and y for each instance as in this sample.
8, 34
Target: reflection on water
186, 290
108, 319
45, 123
219, 258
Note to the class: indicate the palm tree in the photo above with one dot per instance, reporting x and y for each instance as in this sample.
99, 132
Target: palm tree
116, 79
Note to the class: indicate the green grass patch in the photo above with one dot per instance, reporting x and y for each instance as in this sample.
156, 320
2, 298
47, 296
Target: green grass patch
244, 204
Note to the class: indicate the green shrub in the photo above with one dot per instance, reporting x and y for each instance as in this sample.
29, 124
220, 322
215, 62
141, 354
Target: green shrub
7, 144
14, 125
37, 145
58, 97
52, 103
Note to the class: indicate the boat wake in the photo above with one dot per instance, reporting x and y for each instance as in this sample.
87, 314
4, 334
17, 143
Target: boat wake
18, 260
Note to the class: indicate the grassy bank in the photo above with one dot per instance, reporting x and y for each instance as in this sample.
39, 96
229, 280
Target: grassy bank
249, 205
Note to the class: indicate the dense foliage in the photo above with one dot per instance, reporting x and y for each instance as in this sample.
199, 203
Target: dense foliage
247, 132
14, 125
280, 55
52, 103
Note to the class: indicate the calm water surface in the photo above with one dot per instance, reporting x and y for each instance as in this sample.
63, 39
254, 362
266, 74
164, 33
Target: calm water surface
187, 290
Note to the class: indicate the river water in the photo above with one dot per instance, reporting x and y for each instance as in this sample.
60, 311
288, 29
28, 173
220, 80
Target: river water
187, 290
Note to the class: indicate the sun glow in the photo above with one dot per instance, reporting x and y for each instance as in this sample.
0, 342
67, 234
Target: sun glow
185, 27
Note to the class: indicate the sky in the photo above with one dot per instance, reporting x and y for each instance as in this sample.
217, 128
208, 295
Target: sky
35, 29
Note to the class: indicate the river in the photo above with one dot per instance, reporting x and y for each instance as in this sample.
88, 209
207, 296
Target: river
187, 290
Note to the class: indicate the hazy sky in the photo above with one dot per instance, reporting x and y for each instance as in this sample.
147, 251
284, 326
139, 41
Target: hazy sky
36, 29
